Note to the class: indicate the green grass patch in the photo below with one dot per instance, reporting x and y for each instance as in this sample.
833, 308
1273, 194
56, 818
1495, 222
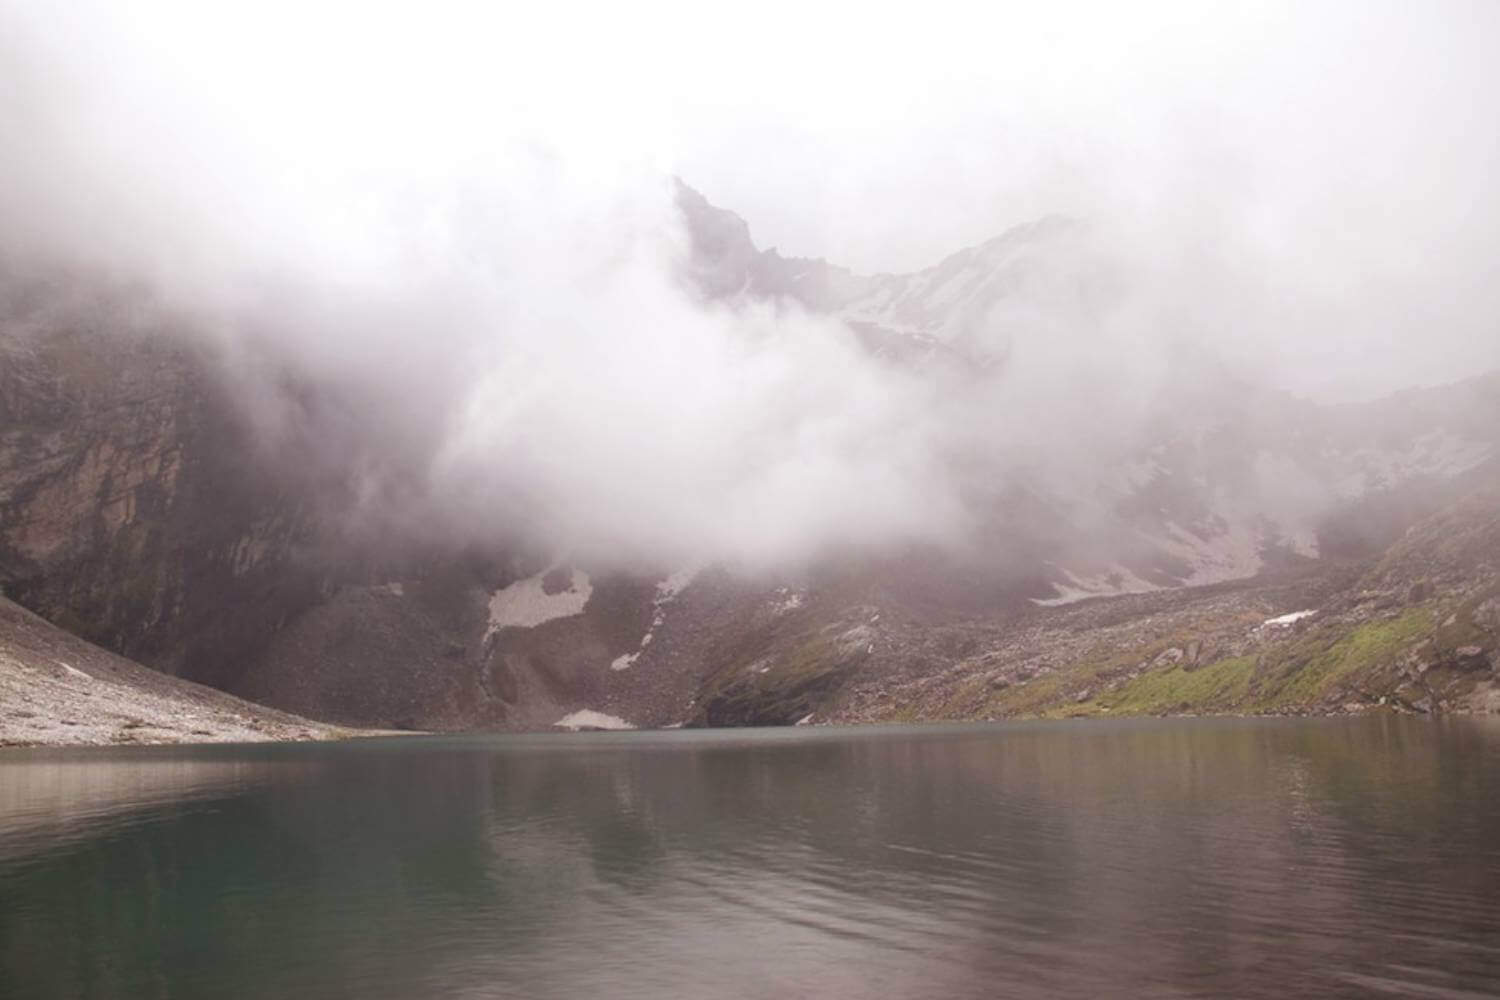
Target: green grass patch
1302, 673
1218, 687
1032, 697
1286, 673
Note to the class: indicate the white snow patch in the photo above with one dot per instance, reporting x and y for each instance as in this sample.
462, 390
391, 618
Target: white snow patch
1281, 621
524, 604
587, 718
625, 660
395, 589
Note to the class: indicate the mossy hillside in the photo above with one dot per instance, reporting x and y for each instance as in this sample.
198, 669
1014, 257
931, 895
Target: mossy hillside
1219, 687
1284, 676
1109, 669
978, 699
1301, 673
1051, 693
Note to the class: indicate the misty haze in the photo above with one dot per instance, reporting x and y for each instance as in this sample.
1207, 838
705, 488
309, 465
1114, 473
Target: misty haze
676, 501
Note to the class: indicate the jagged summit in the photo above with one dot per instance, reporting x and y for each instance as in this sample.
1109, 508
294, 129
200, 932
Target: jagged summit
935, 302
947, 314
725, 261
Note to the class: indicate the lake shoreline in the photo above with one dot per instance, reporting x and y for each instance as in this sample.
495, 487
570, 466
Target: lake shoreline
328, 733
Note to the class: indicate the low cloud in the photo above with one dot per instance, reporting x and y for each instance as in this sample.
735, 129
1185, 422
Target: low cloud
465, 284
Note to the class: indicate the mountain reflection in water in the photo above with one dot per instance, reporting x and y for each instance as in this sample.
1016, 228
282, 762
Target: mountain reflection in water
1255, 858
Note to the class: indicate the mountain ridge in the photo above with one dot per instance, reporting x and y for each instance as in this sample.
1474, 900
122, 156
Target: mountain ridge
139, 510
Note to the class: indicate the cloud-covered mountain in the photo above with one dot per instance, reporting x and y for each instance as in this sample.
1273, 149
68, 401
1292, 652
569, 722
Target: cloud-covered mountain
1192, 476
269, 521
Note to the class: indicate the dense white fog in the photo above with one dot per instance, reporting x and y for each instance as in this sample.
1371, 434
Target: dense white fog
458, 222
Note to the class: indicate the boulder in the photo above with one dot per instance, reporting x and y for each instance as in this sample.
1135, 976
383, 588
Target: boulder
1471, 658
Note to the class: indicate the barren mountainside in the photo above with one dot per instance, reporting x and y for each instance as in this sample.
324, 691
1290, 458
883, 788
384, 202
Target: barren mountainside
56, 688
1251, 552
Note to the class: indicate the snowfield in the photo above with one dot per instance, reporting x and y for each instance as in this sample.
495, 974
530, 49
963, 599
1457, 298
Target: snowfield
587, 718
524, 604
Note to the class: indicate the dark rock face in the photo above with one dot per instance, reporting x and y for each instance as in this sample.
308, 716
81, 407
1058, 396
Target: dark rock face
779, 674
1471, 658
403, 656
132, 511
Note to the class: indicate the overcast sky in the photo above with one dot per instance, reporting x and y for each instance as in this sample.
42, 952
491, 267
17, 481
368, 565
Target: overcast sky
456, 219
1340, 157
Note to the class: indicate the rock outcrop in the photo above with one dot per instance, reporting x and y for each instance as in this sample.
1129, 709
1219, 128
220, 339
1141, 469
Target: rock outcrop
133, 510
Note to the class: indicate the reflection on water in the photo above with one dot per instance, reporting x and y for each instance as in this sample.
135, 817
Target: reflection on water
1152, 858
46, 799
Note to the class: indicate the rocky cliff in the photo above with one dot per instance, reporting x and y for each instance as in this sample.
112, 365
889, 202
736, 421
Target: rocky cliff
133, 509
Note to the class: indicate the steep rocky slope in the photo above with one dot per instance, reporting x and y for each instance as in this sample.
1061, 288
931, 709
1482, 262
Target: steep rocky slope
58, 690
